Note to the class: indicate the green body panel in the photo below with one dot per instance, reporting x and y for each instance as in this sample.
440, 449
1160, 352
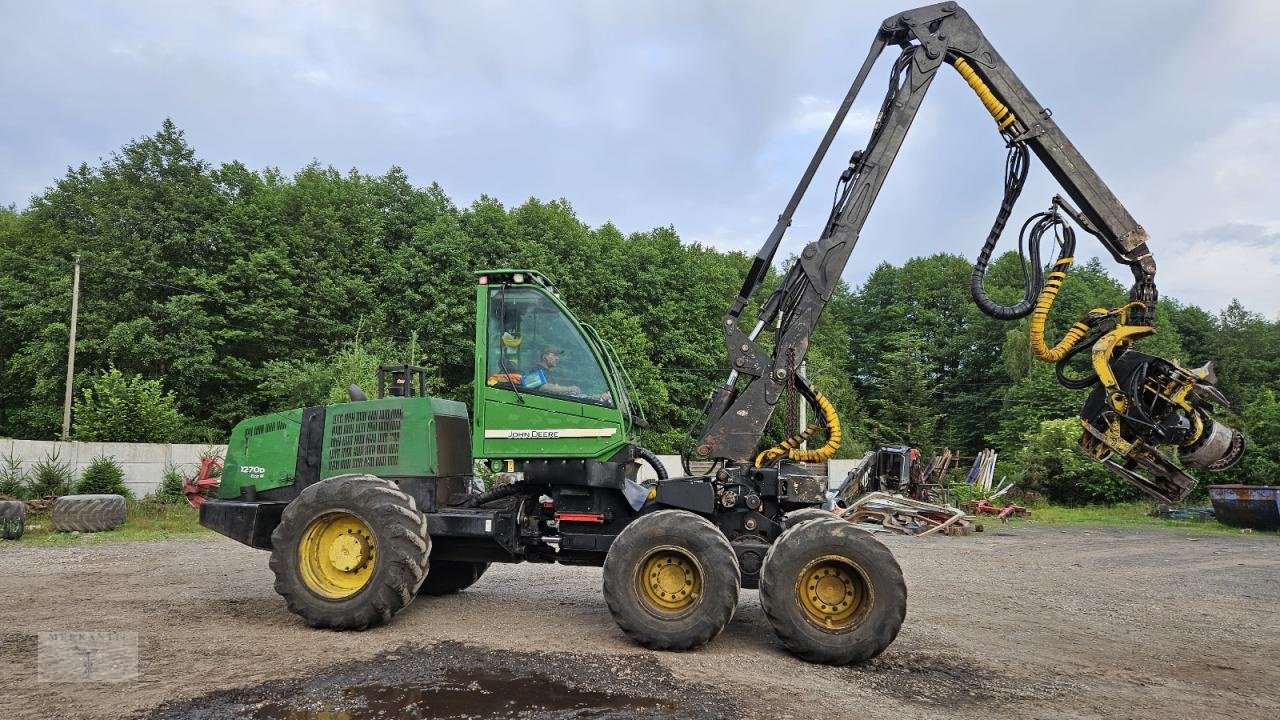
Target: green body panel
262, 453
511, 425
388, 437
396, 436
542, 427
392, 436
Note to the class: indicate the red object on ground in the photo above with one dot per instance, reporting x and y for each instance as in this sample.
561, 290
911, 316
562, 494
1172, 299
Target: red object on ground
1004, 513
205, 480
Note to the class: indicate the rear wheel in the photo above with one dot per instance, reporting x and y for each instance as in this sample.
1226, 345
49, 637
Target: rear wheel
350, 552
671, 580
803, 515
446, 577
832, 592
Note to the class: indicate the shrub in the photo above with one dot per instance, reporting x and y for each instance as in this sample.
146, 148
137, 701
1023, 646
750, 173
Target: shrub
50, 476
13, 477
170, 490
103, 476
1053, 464
114, 409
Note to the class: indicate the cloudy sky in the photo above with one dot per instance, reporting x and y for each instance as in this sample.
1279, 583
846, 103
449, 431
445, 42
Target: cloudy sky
700, 115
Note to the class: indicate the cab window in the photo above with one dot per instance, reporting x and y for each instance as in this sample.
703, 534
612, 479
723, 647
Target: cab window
534, 347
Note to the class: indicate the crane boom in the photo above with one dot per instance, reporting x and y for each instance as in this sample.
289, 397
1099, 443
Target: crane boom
930, 37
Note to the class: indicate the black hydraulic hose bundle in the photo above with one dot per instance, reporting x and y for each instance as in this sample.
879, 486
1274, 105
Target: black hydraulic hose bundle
495, 493
1015, 176
654, 462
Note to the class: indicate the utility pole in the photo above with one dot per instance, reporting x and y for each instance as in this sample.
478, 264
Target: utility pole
71, 351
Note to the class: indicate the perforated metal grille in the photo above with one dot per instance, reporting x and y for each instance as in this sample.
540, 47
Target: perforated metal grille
365, 438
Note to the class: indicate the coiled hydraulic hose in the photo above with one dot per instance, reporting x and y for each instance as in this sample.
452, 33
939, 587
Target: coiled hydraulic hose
1040, 224
1015, 176
791, 446
654, 462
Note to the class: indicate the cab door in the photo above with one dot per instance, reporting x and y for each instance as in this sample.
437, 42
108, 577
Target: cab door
541, 387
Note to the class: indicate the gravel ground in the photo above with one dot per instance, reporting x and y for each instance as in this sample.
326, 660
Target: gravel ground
1035, 622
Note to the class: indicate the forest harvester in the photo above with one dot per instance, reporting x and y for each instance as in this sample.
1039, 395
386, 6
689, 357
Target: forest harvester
366, 504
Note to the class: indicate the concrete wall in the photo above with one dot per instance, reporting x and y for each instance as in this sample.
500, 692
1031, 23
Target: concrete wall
143, 463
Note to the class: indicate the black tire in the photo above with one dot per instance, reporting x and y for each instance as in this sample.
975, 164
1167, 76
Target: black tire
13, 517
399, 551
446, 577
692, 553
88, 513
868, 604
803, 515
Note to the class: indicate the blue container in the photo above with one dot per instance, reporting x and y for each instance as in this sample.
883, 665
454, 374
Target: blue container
1246, 506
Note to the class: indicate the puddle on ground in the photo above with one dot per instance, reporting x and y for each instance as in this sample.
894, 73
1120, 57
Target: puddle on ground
450, 681
496, 695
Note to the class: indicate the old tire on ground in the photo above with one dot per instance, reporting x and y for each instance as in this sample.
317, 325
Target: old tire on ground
671, 580
803, 515
13, 517
446, 577
833, 593
88, 513
350, 552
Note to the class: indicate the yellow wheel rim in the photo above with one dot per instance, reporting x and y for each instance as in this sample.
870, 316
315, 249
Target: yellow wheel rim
833, 593
337, 555
669, 581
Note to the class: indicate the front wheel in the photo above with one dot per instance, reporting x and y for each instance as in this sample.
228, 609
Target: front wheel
833, 593
350, 552
671, 580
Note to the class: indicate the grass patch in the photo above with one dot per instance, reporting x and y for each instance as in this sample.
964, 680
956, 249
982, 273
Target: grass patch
143, 521
1132, 515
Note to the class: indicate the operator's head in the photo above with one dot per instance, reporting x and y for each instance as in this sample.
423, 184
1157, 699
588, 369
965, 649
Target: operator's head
550, 355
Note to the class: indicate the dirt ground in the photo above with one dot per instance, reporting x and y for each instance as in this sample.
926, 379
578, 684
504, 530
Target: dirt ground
1023, 621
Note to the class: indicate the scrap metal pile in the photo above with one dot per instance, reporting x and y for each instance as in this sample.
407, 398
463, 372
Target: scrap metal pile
889, 488
906, 516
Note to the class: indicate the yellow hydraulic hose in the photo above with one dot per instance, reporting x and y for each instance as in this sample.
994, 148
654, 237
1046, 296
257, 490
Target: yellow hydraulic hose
999, 112
1040, 316
791, 446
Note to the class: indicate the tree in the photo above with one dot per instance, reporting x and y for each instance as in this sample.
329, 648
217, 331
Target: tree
119, 409
1053, 465
103, 476
903, 406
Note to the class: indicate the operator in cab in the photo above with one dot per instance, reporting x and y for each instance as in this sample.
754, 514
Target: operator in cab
543, 376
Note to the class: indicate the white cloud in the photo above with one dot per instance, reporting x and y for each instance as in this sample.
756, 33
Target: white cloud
813, 114
1211, 267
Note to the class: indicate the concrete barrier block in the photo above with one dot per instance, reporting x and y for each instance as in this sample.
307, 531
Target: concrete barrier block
180, 454
838, 470
146, 476
126, 452
32, 451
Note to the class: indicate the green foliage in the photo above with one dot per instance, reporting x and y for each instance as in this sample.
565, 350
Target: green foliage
13, 477
1054, 466
103, 475
116, 409
1260, 423
50, 476
305, 283
961, 492
171, 482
